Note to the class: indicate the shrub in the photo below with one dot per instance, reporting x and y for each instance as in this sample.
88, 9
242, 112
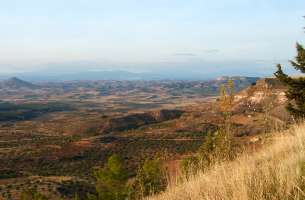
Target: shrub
190, 166
111, 181
151, 178
32, 194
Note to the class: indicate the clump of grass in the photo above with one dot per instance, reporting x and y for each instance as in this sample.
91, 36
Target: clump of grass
274, 172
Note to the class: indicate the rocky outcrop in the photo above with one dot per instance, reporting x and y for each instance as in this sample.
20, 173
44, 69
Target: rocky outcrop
267, 95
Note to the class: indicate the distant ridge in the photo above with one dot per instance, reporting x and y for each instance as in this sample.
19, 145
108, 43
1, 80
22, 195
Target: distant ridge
48, 76
16, 83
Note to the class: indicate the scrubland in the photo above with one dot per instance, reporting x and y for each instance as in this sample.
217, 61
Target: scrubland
276, 171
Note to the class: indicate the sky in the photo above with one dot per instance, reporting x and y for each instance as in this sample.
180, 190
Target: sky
204, 36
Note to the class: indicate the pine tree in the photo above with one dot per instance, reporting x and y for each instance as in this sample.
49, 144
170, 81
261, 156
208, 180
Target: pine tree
111, 181
296, 86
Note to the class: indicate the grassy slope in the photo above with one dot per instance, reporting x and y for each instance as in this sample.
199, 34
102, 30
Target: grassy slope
274, 172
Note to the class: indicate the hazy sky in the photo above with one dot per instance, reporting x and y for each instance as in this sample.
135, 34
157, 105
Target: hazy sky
197, 35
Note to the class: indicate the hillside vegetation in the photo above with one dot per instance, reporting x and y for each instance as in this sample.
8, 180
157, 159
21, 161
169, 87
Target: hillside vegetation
276, 171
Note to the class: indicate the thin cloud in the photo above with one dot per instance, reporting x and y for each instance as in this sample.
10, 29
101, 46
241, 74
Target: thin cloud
207, 51
185, 54
212, 51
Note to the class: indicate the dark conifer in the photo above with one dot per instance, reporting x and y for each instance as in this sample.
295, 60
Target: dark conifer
296, 86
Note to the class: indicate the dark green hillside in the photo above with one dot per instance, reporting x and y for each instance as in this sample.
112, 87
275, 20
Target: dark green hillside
16, 112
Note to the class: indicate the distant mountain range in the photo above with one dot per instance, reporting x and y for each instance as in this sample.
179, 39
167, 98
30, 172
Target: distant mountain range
108, 75
174, 87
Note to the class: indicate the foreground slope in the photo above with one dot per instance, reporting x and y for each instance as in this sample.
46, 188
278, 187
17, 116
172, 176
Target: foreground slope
274, 172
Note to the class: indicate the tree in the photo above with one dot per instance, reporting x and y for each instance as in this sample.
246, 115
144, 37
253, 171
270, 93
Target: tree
227, 96
151, 178
217, 147
111, 181
223, 138
296, 86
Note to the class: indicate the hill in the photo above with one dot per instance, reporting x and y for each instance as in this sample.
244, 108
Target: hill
16, 83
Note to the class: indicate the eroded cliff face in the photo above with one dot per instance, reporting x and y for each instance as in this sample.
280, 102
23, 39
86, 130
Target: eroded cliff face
267, 95
263, 89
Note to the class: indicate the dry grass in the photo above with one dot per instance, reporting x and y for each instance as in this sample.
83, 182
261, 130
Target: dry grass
274, 173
